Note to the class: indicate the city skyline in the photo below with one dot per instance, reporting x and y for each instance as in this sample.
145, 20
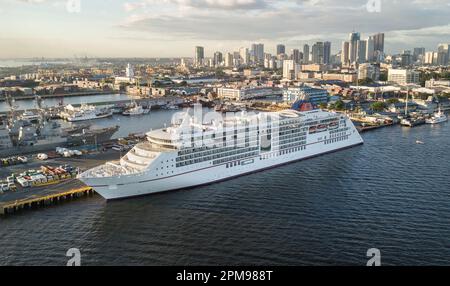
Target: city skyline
171, 28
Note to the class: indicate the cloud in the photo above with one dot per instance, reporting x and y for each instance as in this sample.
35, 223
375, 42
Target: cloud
33, 1
289, 20
129, 7
173, 27
217, 4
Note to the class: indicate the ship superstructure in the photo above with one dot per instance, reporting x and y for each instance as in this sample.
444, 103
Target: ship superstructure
196, 151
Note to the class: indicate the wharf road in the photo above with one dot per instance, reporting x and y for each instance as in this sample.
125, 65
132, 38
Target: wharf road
38, 195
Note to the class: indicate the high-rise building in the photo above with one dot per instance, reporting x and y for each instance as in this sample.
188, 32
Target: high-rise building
406, 58
327, 53
379, 42
244, 56
258, 53
418, 53
361, 51
199, 56
353, 46
281, 49
229, 60
345, 53
295, 55
430, 58
306, 54
129, 71
443, 54
290, 69
317, 53
370, 49
217, 58
211, 62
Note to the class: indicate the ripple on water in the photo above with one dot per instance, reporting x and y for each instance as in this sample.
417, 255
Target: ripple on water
390, 193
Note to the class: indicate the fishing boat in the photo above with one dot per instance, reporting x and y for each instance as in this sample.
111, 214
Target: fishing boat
136, 109
438, 117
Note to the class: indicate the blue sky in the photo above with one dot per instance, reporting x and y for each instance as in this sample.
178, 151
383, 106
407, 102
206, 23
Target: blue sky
170, 28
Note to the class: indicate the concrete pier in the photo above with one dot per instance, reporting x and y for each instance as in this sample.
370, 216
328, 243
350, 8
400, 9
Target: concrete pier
10, 207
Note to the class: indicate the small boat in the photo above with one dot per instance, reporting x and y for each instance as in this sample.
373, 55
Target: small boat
136, 110
438, 117
420, 142
412, 121
30, 116
171, 106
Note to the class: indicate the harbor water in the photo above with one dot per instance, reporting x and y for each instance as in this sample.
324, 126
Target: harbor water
390, 193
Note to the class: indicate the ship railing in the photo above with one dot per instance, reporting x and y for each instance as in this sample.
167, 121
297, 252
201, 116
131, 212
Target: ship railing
140, 160
125, 161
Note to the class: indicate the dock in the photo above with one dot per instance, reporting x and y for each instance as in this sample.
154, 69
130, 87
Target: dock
49, 195
37, 201
153, 102
362, 129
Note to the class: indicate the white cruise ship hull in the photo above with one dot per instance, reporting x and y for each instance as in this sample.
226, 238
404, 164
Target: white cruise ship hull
143, 184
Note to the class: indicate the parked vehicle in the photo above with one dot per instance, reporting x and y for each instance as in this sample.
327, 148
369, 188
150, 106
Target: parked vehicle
14, 160
46, 175
42, 156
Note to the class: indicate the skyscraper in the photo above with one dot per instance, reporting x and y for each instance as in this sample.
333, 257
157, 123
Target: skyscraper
281, 49
379, 42
430, 58
217, 58
199, 56
290, 69
129, 71
353, 46
306, 54
443, 54
418, 53
244, 56
258, 53
327, 53
407, 58
295, 55
317, 53
362, 50
345, 53
229, 60
370, 49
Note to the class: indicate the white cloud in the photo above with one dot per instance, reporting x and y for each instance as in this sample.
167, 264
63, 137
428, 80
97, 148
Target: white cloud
228, 24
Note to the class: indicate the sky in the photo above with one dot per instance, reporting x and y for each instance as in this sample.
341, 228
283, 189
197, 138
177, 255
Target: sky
171, 28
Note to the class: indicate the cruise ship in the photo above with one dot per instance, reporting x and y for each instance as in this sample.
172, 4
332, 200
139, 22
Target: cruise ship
195, 152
